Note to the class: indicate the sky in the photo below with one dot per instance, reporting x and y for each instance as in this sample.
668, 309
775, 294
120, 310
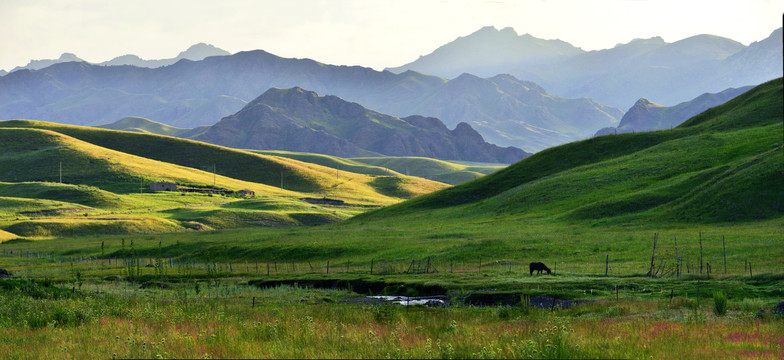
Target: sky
371, 33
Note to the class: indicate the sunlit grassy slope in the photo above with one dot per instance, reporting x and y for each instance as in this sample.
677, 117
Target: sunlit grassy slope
450, 172
142, 125
228, 163
53, 184
334, 162
723, 165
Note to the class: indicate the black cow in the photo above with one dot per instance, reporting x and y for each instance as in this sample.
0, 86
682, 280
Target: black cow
538, 267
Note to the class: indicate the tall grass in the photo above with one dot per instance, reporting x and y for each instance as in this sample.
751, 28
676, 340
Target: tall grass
288, 322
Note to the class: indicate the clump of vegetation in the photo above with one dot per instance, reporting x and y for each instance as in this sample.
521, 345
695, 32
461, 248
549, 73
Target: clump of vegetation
719, 303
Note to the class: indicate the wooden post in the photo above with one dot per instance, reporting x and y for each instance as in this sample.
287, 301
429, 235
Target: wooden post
327, 266
700, 253
267, 269
655, 237
724, 245
371, 266
254, 302
606, 264
751, 273
677, 259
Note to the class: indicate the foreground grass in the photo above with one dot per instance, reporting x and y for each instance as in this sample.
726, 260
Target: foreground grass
286, 322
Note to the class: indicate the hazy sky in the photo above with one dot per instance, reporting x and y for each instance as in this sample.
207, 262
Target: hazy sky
374, 33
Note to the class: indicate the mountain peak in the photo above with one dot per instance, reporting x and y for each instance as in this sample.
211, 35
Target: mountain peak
296, 119
200, 51
644, 103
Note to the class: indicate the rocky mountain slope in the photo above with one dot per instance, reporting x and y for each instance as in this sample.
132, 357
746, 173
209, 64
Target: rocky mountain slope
299, 120
647, 116
189, 94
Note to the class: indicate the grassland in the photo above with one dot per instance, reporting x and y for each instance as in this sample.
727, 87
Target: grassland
450, 172
56, 184
652, 229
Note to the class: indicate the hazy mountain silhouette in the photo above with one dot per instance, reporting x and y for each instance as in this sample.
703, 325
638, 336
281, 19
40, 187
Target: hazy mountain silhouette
487, 50
667, 72
299, 120
188, 94
195, 52
40, 64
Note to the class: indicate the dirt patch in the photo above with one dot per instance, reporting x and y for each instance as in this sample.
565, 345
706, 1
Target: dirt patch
48, 212
154, 285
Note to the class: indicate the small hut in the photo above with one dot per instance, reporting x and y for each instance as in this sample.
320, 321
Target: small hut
247, 193
163, 186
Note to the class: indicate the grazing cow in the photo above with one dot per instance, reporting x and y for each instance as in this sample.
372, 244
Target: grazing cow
538, 267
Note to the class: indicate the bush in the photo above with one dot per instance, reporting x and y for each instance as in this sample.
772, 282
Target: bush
719, 303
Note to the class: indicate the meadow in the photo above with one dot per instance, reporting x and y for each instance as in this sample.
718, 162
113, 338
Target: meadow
664, 244
194, 295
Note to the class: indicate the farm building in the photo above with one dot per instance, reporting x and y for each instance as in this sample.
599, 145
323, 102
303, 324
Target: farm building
163, 186
247, 193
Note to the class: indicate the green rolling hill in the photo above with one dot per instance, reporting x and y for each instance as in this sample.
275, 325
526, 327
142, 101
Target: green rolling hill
147, 126
450, 172
60, 180
723, 165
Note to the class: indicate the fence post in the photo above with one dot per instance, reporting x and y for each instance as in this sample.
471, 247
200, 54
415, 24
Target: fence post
327, 266
655, 237
724, 245
371, 266
700, 252
606, 264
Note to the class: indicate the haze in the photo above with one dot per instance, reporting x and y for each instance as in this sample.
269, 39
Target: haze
370, 33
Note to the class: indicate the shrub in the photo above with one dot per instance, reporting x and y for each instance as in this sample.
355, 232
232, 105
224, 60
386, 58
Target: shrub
751, 305
719, 303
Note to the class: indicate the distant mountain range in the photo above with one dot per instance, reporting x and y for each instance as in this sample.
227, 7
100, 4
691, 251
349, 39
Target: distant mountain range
195, 52
647, 116
667, 73
299, 120
503, 109
189, 94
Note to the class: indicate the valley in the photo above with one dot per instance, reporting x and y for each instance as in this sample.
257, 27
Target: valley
677, 230
502, 196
